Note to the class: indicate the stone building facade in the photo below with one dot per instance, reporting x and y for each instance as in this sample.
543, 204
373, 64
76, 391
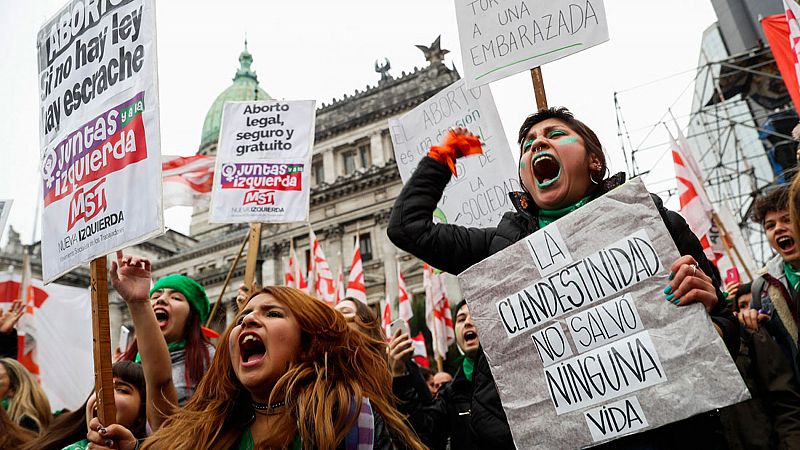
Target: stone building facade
354, 184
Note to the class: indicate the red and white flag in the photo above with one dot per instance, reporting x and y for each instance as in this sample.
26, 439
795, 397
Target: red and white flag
340, 292
187, 180
324, 284
60, 346
783, 34
695, 205
289, 276
420, 351
355, 282
437, 312
386, 320
403, 299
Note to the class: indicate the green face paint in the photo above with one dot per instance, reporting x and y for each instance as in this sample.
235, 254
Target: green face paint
521, 164
568, 140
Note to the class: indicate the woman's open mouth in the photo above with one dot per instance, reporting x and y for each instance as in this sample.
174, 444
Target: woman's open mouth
546, 169
785, 243
162, 316
251, 349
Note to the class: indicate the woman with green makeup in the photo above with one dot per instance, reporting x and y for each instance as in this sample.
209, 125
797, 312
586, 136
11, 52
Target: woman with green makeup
562, 167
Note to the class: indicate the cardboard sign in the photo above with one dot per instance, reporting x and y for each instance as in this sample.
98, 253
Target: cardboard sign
580, 340
263, 162
503, 37
99, 131
478, 197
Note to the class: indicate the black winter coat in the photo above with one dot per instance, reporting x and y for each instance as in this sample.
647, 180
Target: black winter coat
454, 248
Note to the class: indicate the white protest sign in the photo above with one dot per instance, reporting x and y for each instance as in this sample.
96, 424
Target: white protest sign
99, 131
503, 37
263, 161
591, 351
5, 209
478, 197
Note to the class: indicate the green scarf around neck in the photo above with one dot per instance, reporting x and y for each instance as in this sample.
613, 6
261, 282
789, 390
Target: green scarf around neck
172, 347
548, 216
468, 365
792, 275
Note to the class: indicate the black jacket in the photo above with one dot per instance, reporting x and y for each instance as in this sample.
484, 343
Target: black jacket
8, 344
454, 248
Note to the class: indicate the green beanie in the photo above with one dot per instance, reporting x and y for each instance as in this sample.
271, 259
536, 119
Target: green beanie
194, 293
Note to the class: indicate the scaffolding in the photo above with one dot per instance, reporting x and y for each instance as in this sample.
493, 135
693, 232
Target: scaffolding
737, 132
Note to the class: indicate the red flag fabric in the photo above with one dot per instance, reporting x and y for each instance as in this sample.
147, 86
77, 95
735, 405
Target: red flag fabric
355, 282
783, 34
438, 316
324, 284
387, 318
187, 180
403, 299
420, 351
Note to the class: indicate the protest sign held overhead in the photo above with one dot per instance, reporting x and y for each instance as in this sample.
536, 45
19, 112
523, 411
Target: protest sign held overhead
581, 343
503, 37
478, 196
99, 131
263, 162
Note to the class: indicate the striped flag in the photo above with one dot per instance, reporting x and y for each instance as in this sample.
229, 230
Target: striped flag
324, 284
403, 299
420, 351
438, 316
355, 282
187, 180
387, 317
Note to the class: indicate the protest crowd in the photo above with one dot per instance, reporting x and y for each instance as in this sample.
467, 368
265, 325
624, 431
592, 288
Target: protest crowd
662, 349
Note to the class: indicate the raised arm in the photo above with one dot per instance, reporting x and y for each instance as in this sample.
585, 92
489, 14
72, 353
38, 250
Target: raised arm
130, 276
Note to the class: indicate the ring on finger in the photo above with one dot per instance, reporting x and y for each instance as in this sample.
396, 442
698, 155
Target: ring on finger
694, 269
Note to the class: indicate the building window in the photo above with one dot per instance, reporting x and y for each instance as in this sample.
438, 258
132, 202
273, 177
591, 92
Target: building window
317, 172
364, 155
365, 244
349, 160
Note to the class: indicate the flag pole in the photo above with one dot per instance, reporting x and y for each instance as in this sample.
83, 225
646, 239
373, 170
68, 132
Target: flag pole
227, 280
727, 241
101, 341
538, 88
254, 237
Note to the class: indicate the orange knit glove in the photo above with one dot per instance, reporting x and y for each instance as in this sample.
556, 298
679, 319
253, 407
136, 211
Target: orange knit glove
455, 146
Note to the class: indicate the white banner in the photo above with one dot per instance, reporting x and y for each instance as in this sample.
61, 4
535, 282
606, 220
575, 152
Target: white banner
502, 37
99, 131
478, 197
581, 342
263, 162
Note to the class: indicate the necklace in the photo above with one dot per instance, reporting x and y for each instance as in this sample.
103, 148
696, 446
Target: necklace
264, 408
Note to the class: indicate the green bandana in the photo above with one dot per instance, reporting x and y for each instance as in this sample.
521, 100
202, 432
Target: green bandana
172, 347
6, 402
792, 275
548, 216
469, 366
194, 293
246, 441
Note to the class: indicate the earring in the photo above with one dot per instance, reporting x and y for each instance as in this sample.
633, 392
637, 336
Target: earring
591, 178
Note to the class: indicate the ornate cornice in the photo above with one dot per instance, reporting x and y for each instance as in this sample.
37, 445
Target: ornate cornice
354, 183
225, 242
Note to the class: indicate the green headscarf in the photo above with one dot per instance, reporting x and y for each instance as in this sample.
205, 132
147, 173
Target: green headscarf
194, 293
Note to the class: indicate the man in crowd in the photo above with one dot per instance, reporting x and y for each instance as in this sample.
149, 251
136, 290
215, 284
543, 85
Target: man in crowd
440, 380
774, 303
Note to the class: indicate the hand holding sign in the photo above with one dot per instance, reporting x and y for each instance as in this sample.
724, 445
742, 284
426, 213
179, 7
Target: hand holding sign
130, 276
689, 284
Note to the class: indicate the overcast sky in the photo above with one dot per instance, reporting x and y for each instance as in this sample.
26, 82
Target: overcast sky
322, 49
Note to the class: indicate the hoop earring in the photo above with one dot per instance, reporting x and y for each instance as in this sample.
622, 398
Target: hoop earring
591, 178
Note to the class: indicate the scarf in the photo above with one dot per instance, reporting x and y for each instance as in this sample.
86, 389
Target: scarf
468, 365
792, 275
548, 216
172, 347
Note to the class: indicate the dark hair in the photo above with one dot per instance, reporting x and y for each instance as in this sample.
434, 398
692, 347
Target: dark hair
460, 305
590, 140
70, 427
774, 200
427, 374
197, 354
13, 435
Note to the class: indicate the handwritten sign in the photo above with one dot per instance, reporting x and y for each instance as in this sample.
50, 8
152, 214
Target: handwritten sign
99, 131
581, 343
503, 37
262, 162
478, 197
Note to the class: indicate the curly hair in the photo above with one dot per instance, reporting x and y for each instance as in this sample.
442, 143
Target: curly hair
776, 199
334, 368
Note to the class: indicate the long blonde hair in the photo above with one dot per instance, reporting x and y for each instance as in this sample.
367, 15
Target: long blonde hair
334, 369
29, 400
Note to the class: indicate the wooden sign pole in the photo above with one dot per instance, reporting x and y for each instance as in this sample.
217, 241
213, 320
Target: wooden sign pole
227, 281
101, 333
538, 88
252, 254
